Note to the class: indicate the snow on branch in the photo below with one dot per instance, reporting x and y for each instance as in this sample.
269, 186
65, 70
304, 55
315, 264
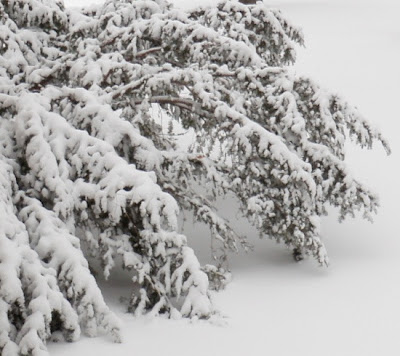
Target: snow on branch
91, 104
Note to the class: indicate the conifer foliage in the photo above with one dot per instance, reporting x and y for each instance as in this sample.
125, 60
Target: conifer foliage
88, 171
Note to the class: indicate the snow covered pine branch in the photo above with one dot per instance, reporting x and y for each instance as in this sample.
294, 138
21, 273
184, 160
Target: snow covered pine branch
86, 170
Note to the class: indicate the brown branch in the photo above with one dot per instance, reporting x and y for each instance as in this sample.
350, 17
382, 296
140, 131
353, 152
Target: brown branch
186, 104
131, 86
147, 51
183, 103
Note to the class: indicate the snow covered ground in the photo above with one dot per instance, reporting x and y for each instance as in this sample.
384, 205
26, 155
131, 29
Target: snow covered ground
273, 305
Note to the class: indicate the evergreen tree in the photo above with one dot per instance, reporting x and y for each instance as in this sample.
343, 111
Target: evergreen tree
87, 170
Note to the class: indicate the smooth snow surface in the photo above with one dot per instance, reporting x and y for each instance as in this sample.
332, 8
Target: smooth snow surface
273, 305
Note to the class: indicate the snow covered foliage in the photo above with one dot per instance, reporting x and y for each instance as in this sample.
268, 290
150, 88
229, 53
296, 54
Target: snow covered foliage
88, 171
